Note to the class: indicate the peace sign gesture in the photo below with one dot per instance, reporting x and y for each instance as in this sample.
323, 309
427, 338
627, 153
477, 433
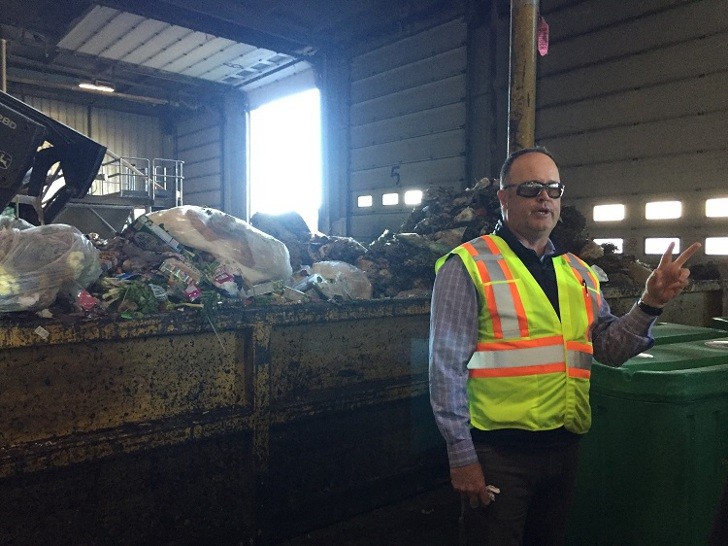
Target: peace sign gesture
669, 278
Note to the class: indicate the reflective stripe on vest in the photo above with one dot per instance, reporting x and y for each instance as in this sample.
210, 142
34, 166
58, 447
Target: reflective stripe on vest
520, 357
501, 293
531, 358
592, 297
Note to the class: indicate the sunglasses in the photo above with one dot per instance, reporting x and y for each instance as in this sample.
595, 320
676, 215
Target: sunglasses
533, 188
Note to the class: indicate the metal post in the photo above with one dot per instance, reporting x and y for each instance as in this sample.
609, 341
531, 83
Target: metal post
522, 99
4, 67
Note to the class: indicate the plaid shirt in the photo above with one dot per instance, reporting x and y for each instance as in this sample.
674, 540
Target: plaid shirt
454, 334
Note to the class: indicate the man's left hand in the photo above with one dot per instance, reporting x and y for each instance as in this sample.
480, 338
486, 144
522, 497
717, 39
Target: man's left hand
669, 278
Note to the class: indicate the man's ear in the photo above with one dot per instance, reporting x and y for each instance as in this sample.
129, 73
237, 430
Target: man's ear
503, 198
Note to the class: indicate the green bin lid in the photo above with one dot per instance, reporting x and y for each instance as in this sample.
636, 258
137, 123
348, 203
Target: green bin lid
670, 332
671, 372
720, 323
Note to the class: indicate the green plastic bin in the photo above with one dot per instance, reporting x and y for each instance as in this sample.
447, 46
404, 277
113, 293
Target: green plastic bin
670, 332
720, 322
652, 467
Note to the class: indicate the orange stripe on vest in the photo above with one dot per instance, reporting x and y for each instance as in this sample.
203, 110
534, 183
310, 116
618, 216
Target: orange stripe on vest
578, 372
581, 347
520, 344
556, 367
518, 303
490, 301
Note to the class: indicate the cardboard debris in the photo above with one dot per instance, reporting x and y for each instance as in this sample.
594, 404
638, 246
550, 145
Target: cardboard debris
148, 235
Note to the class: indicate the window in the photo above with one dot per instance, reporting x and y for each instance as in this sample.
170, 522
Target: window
389, 199
716, 208
663, 210
609, 213
658, 245
716, 246
413, 197
285, 156
618, 243
364, 201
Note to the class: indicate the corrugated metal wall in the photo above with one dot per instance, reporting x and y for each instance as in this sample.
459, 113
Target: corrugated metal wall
75, 116
129, 134
632, 100
200, 145
125, 134
407, 123
198, 142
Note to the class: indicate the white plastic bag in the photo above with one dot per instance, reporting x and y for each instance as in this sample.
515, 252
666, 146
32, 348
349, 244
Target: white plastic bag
242, 249
38, 263
348, 281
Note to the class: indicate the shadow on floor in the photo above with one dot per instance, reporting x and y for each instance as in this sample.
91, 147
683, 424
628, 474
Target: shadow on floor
427, 519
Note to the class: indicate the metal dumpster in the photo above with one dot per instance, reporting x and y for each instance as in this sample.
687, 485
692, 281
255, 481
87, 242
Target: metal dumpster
700, 301
652, 466
243, 425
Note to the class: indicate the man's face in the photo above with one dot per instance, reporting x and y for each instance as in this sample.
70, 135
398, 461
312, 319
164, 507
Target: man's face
532, 218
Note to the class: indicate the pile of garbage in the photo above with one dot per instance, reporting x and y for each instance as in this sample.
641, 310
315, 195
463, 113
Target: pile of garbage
192, 256
38, 263
182, 257
402, 264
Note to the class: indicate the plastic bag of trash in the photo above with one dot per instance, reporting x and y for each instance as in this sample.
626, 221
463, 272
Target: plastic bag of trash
348, 281
7, 222
38, 263
242, 249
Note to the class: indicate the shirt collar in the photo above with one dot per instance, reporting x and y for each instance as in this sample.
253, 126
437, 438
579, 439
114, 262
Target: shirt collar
523, 252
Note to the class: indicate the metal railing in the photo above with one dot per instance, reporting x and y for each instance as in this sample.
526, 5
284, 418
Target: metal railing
157, 183
167, 179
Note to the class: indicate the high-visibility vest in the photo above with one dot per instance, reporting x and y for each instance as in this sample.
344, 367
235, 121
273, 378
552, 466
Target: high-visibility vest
530, 369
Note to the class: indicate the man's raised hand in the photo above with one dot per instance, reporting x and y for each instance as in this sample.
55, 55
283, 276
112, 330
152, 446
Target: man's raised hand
669, 278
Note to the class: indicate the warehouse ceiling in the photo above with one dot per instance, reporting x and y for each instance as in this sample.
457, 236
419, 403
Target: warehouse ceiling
177, 51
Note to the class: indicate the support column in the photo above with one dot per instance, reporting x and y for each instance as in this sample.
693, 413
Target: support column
4, 65
522, 99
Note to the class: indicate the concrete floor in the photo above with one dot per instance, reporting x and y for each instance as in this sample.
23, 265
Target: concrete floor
427, 519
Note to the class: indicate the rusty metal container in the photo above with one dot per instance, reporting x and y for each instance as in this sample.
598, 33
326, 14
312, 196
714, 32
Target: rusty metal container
255, 424
696, 306
249, 425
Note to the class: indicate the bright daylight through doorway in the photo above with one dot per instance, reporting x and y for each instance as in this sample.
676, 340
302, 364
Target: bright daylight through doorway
285, 157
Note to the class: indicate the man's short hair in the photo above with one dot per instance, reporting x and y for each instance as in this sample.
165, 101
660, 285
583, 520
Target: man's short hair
506, 168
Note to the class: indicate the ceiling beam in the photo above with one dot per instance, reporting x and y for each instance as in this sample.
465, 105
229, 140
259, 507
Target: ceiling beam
223, 19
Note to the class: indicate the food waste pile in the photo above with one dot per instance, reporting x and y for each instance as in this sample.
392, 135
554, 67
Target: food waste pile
196, 257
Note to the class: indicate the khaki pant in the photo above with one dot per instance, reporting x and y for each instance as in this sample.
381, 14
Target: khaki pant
537, 489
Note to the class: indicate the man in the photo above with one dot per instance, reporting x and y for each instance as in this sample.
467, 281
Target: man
513, 327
